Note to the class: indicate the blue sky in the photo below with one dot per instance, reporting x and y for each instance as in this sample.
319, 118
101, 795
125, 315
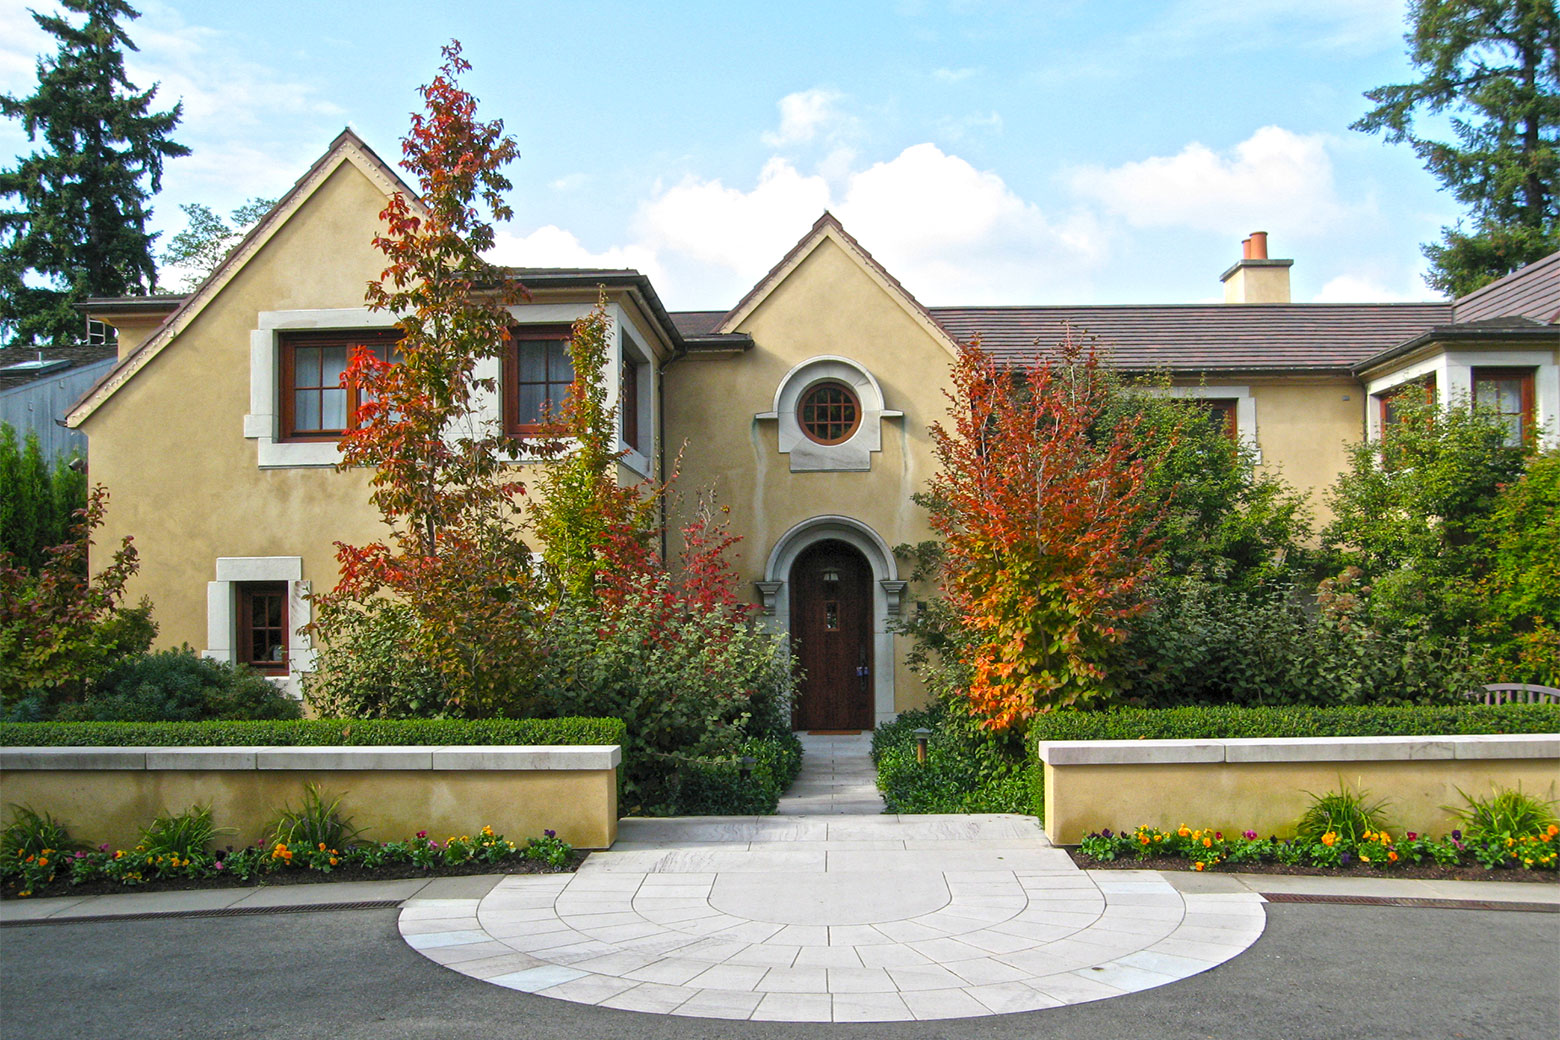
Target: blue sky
986, 152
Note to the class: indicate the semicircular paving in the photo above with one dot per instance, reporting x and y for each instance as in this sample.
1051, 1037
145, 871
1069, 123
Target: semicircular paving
846, 919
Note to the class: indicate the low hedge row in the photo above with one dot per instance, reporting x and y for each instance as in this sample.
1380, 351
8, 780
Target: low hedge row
1228, 722
313, 732
966, 771
718, 787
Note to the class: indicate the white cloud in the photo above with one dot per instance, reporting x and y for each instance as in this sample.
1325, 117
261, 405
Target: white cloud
953, 233
804, 115
552, 246
743, 231
1353, 288
1273, 179
953, 75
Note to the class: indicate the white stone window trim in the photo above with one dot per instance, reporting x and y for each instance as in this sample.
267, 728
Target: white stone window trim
1453, 371
222, 612
1245, 411
631, 351
262, 423
854, 454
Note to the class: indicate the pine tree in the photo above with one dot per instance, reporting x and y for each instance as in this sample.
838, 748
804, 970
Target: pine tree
81, 227
1492, 67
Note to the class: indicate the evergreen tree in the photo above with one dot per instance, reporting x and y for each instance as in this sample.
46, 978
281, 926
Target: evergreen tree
1492, 68
81, 227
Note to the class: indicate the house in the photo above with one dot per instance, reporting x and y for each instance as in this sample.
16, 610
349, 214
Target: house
805, 407
37, 388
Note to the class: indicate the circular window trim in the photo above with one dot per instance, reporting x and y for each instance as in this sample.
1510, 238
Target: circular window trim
807, 395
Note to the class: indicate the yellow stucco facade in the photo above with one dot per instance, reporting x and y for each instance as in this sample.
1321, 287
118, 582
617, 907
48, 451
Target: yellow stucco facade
186, 432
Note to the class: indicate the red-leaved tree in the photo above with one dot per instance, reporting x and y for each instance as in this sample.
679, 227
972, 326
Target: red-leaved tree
1046, 526
443, 470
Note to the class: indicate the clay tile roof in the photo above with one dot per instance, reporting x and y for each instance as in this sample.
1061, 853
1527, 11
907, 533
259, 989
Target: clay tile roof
1532, 292
697, 323
1204, 337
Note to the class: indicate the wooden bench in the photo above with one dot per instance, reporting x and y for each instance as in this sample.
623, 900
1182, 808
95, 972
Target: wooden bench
1514, 693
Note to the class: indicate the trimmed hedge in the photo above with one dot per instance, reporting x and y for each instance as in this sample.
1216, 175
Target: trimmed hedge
966, 770
313, 732
1228, 722
716, 787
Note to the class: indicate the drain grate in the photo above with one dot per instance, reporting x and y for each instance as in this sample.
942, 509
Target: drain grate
227, 911
1412, 901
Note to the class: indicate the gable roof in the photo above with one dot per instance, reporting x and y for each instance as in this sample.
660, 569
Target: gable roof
828, 228
346, 148
1300, 337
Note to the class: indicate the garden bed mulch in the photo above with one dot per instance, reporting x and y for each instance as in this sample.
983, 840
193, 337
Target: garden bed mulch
1418, 872
393, 872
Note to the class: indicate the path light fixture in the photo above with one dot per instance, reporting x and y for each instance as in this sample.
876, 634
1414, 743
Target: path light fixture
921, 737
748, 762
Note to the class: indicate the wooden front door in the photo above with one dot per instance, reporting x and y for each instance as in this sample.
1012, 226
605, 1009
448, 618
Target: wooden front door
831, 630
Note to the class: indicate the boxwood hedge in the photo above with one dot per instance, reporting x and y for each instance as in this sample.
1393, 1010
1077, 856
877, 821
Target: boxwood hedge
313, 732
1221, 722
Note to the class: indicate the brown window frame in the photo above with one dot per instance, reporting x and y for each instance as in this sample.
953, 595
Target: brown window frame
380, 341
518, 337
1525, 388
628, 402
246, 594
806, 399
1230, 406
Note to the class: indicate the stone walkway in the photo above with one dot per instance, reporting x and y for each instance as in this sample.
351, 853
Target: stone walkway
831, 911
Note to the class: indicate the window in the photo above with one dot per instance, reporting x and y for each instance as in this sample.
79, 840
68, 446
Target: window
1507, 394
828, 413
100, 334
1392, 402
1221, 413
317, 401
628, 404
538, 375
262, 634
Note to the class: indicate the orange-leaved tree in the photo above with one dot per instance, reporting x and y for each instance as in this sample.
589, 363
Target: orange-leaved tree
443, 470
1047, 530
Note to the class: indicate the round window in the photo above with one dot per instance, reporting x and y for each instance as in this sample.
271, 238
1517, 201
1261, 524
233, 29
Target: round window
829, 413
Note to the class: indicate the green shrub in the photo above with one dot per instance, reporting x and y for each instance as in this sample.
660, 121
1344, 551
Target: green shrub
180, 835
730, 787
1505, 814
967, 769
688, 685
316, 822
366, 671
1345, 814
29, 833
1206, 642
179, 686
313, 732
1223, 722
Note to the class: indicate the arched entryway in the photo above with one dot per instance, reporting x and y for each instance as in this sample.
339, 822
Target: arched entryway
831, 634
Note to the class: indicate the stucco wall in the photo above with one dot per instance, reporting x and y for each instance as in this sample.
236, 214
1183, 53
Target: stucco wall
828, 306
170, 444
1304, 427
389, 805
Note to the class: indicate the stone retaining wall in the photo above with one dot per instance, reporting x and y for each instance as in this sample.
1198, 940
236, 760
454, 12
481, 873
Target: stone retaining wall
1266, 784
109, 793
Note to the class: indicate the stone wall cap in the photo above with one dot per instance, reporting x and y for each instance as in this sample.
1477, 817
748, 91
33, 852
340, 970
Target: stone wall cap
324, 757
1301, 749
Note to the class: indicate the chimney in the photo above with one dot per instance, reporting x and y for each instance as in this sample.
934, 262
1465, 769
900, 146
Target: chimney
1255, 278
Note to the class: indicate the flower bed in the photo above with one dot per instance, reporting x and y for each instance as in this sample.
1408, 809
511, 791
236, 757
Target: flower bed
1201, 849
49, 871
